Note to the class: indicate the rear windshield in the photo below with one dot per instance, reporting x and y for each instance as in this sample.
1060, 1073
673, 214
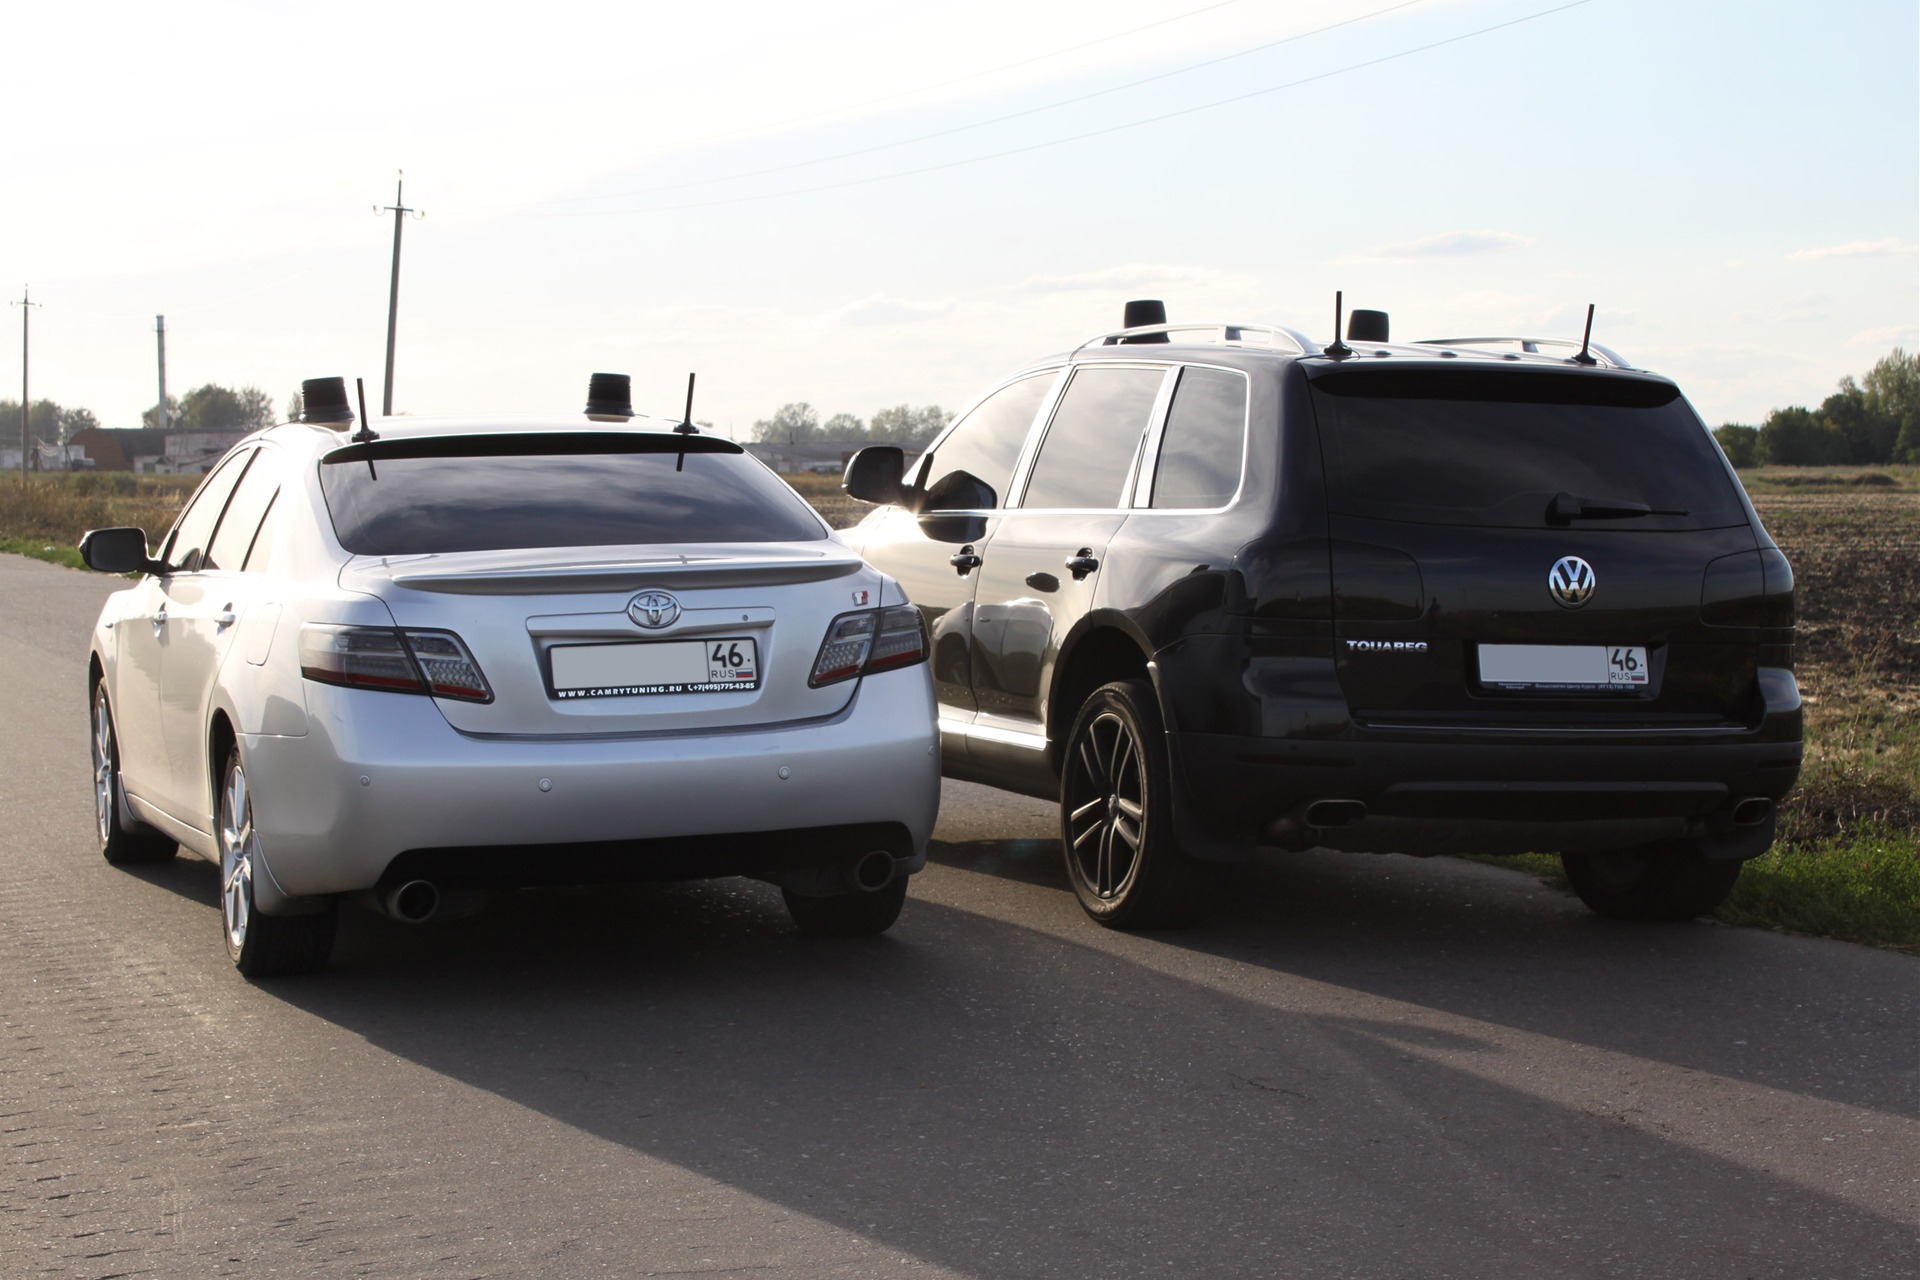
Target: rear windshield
1498, 448
588, 489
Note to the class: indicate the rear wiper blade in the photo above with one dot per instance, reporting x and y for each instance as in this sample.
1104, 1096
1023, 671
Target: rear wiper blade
1565, 507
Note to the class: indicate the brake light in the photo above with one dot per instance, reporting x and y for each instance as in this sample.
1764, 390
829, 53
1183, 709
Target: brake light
873, 640
434, 663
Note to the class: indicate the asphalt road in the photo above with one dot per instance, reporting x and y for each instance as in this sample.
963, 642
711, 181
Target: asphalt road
1363, 1067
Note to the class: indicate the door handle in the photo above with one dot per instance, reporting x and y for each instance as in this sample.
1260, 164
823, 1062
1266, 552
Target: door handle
965, 561
160, 620
1082, 563
225, 618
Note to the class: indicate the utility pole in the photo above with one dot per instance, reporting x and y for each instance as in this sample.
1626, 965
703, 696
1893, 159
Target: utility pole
27, 306
160, 328
400, 211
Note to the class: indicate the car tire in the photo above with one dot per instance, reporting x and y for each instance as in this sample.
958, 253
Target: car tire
1672, 880
123, 842
260, 946
862, 913
1116, 816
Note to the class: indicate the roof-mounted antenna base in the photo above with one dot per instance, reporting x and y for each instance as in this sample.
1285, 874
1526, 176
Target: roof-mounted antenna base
1337, 350
1586, 340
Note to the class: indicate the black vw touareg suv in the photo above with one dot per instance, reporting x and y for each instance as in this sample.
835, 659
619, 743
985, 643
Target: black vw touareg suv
1217, 587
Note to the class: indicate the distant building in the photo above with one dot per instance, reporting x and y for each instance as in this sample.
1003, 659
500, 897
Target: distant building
149, 450
48, 457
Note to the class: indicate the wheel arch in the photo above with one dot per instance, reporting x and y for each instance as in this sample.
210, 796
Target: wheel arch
1105, 646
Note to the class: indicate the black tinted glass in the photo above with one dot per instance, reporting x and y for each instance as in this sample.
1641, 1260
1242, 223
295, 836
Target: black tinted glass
1480, 448
505, 492
1095, 433
251, 497
1206, 436
195, 525
986, 443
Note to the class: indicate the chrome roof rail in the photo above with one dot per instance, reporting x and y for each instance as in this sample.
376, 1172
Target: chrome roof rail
1530, 346
1223, 333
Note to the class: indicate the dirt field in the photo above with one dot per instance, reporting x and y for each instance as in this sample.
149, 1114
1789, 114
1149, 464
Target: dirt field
1855, 550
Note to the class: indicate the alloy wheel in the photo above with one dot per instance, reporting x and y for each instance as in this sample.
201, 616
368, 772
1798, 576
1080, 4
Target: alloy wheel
238, 843
1106, 805
103, 767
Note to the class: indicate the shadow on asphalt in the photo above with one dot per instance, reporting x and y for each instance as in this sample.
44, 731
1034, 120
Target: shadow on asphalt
1011, 1100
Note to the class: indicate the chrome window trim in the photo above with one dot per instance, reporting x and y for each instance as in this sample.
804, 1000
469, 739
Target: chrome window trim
1142, 494
1023, 472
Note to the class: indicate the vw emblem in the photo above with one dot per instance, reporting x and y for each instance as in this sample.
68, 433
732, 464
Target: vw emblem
1571, 582
654, 610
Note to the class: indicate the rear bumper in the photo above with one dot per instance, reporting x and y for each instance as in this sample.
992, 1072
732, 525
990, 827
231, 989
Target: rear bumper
1452, 797
379, 776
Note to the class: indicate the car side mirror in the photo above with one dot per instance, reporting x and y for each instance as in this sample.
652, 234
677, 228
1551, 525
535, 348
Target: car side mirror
873, 474
959, 491
118, 551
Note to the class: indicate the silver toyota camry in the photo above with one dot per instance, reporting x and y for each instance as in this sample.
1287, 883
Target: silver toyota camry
425, 659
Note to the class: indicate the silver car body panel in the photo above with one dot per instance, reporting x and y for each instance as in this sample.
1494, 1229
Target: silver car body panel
345, 779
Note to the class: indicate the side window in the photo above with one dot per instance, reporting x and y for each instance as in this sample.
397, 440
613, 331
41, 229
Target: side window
1204, 441
985, 444
251, 498
1095, 433
191, 531
262, 549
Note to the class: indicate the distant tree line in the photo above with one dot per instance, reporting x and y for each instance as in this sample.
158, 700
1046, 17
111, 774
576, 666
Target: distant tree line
1859, 425
216, 408
799, 423
47, 422
206, 408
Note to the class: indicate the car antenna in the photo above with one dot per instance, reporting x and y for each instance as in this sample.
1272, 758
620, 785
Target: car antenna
365, 434
686, 427
1585, 340
1339, 350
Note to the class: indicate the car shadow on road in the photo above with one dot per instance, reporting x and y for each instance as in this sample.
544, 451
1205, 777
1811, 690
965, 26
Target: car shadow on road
1008, 1100
1497, 945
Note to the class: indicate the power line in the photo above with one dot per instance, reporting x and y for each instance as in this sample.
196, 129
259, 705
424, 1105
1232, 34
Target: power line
1078, 137
918, 90
983, 124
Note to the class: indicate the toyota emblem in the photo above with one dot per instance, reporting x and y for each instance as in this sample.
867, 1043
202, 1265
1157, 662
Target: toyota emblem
1571, 582
653, 610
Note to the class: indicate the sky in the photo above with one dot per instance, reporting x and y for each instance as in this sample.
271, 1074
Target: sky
858, 204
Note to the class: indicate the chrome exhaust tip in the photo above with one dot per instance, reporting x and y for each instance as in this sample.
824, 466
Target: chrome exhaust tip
873, 872
1336, 813
415, 902
1752, 811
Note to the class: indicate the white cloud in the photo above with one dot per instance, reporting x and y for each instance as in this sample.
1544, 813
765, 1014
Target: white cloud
881, 310
1890, 335
1448, 244
1141, 279
1889, 247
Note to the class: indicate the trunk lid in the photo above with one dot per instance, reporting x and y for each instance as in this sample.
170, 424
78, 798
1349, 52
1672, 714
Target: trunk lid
1527, 549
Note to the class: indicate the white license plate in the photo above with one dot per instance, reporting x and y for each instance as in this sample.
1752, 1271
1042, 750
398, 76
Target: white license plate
666, 666
1563, 666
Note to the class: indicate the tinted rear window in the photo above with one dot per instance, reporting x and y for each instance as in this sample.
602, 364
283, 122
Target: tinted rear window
1495, 448
493, 493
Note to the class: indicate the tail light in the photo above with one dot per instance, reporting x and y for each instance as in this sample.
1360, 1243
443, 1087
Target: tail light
1748, 589
435, 663
873, 640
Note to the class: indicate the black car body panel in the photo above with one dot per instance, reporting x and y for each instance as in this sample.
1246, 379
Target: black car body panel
1319, 649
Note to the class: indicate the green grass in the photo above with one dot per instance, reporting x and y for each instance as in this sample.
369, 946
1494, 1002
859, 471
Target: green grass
52, 552
1860, 887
